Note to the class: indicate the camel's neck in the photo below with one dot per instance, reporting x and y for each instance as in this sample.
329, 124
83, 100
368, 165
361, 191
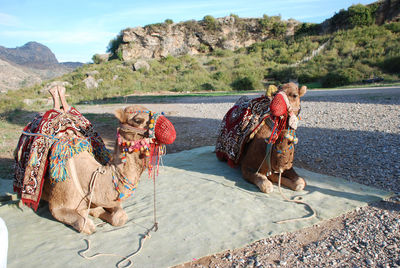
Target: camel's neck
130, 165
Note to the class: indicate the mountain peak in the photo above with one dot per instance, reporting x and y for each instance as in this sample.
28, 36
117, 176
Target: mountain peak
32, 54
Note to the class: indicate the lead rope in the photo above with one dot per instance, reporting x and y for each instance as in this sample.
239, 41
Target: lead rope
295, 200
141, 242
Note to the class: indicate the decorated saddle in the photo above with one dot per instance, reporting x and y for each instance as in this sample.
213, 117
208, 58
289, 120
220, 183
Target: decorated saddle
239, 126
45, 142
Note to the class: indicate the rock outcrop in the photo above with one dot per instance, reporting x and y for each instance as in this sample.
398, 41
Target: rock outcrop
193, 37
389, 10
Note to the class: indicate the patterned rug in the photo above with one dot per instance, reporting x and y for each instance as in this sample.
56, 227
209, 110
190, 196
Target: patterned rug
239, 126
32, 152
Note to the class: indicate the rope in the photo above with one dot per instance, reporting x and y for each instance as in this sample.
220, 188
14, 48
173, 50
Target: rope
155, 225
91, 191
295, 200
39, 134
124, 258
142, 240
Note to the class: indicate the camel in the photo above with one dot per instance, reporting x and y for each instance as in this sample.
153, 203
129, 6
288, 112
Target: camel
95, 189
256, 166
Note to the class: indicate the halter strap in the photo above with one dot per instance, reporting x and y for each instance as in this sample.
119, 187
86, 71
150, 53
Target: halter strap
131, 129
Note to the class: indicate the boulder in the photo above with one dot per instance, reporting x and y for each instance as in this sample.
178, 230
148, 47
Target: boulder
141, 64
92, 73
90, 82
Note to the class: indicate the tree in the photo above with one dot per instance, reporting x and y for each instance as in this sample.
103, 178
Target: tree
114, 44
360, 15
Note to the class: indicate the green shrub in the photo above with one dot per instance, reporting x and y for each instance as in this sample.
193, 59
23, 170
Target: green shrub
203, 48
342, 77
218, 76
222, 52
394, 27
339, 20
283, 75
168, 21
305, 29
360, 15
114, 44
354, 16
207, 86
244, 83
392, 65
279, 29
211, 23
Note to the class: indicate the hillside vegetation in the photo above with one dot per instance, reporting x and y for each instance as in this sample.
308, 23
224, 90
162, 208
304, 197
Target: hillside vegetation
363, 50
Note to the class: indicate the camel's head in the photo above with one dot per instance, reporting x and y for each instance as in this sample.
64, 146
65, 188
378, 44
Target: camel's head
287, 99
137, 122
283, 152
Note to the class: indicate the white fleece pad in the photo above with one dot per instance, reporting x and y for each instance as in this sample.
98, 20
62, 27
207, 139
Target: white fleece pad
203, 207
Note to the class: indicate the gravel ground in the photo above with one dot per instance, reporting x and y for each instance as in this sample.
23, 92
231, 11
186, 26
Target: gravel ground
356, 137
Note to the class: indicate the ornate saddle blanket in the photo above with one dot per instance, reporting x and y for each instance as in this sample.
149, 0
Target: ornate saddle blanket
239, 126
32, 152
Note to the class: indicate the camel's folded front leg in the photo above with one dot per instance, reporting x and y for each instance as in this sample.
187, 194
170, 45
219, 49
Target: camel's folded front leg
115, 216
74, 218
294, 183
258, 179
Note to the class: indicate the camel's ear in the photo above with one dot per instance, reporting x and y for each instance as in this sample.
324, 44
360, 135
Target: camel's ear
120, 115
302, 91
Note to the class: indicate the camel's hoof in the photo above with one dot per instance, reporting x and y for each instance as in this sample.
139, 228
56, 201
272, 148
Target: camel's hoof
87, 228
266, 186
300, 184
119, 218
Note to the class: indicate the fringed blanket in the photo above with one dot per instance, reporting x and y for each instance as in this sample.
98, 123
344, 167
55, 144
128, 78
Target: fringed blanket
31, 154
239, 126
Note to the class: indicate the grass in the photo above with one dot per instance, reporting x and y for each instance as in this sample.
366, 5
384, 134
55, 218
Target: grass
9, 133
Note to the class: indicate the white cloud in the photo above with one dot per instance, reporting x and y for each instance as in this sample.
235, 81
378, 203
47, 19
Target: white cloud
9, 20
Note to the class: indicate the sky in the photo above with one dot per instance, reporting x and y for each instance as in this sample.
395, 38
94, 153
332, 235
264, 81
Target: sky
76, 30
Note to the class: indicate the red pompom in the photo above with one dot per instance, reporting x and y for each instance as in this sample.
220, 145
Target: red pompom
164, 131
278, 105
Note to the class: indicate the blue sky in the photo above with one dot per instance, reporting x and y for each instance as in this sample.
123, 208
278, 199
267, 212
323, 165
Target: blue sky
76, 30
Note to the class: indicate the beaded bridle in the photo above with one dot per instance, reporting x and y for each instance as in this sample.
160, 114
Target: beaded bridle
142, 145
147, 146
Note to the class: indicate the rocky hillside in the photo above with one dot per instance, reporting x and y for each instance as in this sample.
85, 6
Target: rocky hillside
231, 32
12, 77
28, 65
194, 37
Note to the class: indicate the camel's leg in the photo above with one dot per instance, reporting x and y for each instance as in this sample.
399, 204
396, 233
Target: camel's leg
293, 184
61, 92
54, 94
258, 179
73, 218
293, 176
115, 216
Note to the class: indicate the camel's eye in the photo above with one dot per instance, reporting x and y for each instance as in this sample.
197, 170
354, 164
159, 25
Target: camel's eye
137, 120
295, 96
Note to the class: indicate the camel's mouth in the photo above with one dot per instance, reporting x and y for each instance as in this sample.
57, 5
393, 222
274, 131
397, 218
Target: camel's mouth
164, 131
158, 129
